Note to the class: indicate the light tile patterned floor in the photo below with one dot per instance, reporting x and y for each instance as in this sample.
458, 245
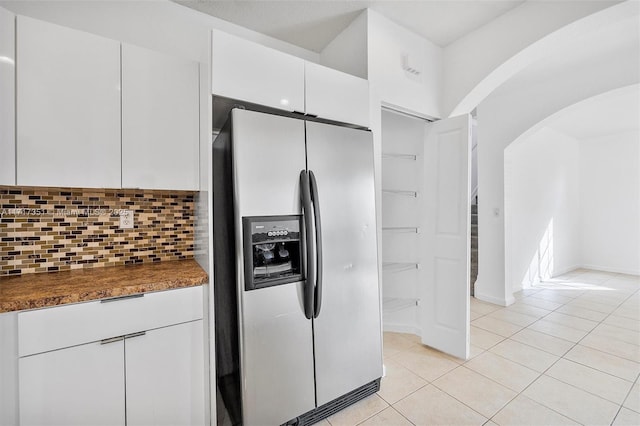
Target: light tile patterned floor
566, 353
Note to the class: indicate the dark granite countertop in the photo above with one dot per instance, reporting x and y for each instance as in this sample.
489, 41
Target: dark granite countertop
31, 291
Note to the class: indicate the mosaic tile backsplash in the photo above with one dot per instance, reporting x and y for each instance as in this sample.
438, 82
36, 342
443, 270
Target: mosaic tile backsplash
59, 229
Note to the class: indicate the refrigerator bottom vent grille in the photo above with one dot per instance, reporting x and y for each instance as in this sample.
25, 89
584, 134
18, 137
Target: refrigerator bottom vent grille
332, 407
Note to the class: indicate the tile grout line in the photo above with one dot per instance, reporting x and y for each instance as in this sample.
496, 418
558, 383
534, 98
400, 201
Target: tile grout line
555, 311
388, 406
461, 402
625, 400
435, 386
563, 357
411, 393
572, 344
374, 414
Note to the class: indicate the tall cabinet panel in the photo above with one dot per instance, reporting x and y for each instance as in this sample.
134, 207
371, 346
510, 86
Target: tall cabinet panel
7, 98
160, 119
68, 107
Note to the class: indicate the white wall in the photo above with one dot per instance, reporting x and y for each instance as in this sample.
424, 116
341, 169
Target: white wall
610, 199
477, 63
506, 115
387, 43
348, 51
474, 160
541, 206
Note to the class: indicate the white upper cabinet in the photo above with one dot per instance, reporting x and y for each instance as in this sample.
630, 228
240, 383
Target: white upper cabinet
68, 107
7, 98
250, 72
336, 95
160, 120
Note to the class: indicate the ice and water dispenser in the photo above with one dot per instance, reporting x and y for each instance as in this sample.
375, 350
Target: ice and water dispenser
272, 250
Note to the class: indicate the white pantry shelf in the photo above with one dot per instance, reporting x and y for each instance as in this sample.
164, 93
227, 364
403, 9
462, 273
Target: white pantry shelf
394, 304
402, 229
398, 156
399, 266
401, 192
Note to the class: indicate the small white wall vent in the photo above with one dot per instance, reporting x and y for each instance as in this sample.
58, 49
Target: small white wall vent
408, 66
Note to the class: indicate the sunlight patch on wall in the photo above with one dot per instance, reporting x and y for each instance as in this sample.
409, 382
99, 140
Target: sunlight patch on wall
541, 265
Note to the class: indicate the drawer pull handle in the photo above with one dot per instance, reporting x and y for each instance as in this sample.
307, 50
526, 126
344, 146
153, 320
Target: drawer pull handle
132, 335
115, 299
111, 340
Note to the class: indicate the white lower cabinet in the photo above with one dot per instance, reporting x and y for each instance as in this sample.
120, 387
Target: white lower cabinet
152, 376
165, 382
82, 385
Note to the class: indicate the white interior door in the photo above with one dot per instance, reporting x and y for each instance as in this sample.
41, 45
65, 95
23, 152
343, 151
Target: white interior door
445, 297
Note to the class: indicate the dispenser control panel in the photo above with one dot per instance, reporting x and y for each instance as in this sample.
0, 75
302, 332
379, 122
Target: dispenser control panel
272, 250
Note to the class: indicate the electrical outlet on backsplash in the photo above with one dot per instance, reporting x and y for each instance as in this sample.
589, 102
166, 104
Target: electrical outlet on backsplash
58, 229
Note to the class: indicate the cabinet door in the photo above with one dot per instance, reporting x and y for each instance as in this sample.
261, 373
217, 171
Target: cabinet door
7, 98
250, 72
68, 107
165, 376
160, 119
82, 385
335, 95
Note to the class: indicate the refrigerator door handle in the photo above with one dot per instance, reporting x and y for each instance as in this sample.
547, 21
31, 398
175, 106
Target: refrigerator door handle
310, 276
318, 235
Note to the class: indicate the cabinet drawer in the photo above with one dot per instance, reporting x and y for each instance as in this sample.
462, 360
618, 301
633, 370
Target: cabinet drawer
54, 328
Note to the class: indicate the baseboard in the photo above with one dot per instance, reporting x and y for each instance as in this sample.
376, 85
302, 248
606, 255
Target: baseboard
401, 328
494, 300
608, 269
565, 270
480, 295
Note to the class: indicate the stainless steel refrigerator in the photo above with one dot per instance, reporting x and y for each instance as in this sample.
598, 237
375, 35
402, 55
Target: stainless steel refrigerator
297, 299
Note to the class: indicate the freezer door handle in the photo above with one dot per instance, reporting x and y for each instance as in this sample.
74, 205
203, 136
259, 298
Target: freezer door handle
310, 276
318, 226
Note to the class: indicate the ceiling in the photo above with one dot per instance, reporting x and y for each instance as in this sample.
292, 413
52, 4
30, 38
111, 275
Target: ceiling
609, 114
312, 24
618, 39
612, 113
